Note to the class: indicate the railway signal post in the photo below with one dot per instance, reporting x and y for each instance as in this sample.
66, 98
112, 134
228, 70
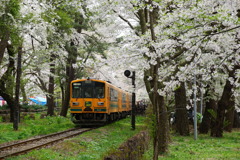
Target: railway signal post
131, 75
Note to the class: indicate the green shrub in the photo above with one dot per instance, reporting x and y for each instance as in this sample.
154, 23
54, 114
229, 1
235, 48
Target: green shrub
26, 107
23, 135
199, 118
4, 107
60, 119
32, 107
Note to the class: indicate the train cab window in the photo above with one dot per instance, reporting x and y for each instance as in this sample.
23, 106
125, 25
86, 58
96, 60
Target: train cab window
88, 92
77, 90
99, 90
88, 89
93, 89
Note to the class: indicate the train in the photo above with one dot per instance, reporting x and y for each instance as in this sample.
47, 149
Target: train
97, 102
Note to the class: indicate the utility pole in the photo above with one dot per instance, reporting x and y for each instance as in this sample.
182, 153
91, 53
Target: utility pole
201, 102
131, 75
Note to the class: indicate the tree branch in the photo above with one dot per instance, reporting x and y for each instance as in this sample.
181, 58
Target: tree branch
127, 21
227, 30
41, 42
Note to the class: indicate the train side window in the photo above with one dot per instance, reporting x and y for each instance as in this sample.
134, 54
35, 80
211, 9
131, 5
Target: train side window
124, 98
113, 95
130, 99
116, 95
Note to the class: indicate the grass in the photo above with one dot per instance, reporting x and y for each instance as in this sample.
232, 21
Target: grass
96, 144
29, 128
93, 145
204, 148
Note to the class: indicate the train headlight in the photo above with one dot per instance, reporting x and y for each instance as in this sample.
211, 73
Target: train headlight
100, 103
75, 103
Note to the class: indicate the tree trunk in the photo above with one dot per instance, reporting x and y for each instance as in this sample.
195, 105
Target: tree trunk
65, 104
17, 90
62, 93
208, 117
72, 56
10, 102
69, 78
236, 122
210, 110
7, 82
163, 129
230, 115
50, 96
24, 95
223, 103
182, 126
3, 45
161, 132
217, 130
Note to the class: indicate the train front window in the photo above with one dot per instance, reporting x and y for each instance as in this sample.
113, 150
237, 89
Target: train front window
77, 90
88, 89
99, 90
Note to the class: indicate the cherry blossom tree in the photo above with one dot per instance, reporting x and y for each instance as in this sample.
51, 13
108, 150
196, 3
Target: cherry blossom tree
10, 42
167, 42
173, 41
56, 37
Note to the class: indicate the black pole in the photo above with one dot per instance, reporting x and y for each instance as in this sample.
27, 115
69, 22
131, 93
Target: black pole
133, 110
127, 73
133, 101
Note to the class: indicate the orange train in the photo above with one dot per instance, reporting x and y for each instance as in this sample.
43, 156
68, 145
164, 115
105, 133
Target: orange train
95, 102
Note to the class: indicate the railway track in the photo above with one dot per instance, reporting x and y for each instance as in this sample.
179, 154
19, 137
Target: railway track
25, 146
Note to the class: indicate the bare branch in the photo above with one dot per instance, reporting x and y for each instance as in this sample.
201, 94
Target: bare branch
127, 21
224, 31
41, 42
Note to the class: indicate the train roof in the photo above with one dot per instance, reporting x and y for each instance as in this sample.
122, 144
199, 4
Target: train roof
98, 80
92, 79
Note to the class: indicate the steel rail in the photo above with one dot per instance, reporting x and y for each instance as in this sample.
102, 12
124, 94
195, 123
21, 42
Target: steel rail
34, 139
40, 145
